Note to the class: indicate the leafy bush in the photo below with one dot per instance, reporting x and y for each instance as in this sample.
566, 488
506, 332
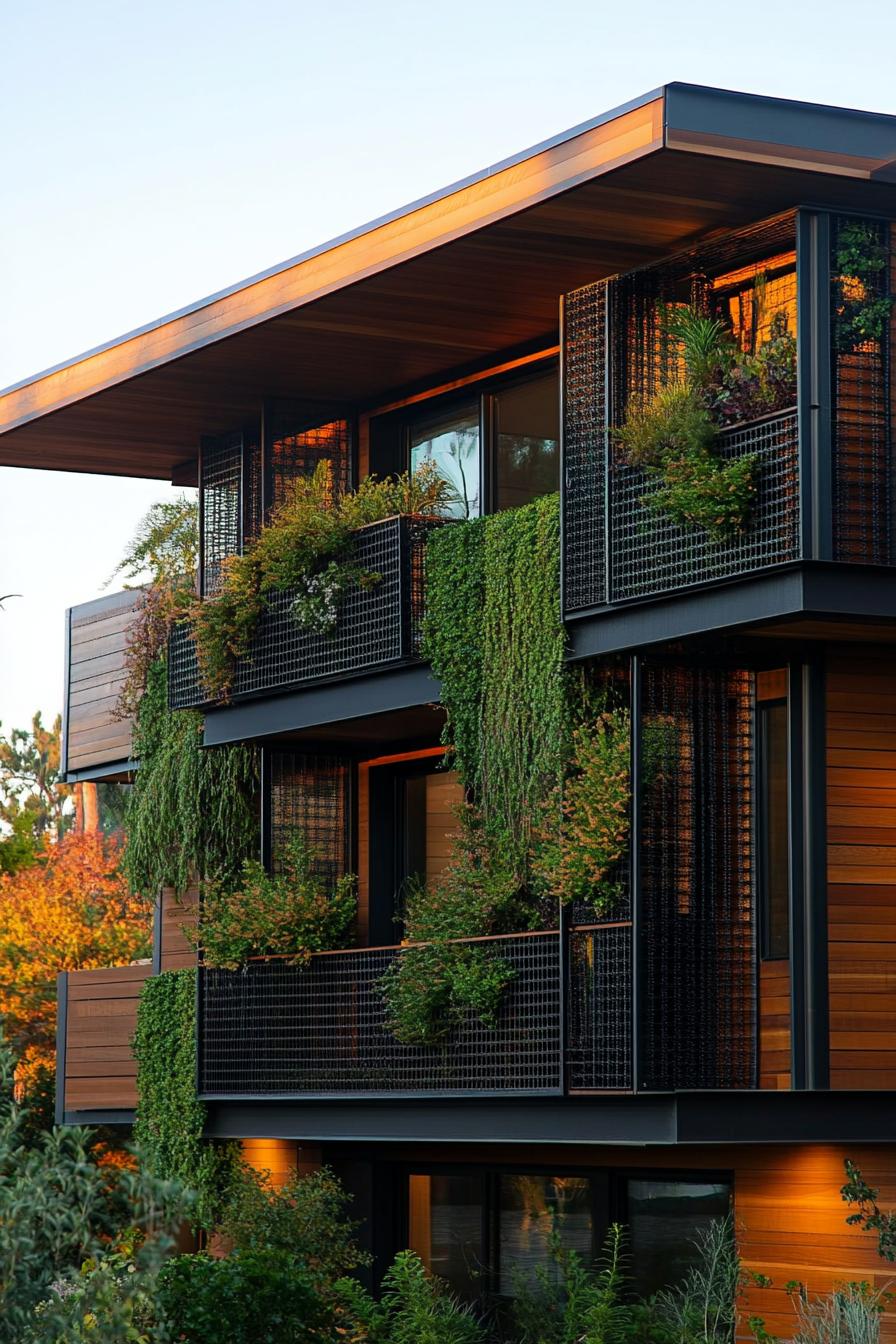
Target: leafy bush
306, 1217
309, 535
251, 1297
290, 913
862, 302
414, 1308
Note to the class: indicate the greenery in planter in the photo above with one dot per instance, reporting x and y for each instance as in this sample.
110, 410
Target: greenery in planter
170, 1120
306, 546
494, 637
862, 302
192, 810
290, 913
671, 435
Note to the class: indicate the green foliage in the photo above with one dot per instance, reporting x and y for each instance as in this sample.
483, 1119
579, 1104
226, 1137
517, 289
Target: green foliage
290, 913
869, 1216
671, 436
850, 1315
306, 1217
170, 1118
579, 862
192, 809
250, 1297
494, 637
33, 798
414, 1308
862, 302
309, 536
703, 1307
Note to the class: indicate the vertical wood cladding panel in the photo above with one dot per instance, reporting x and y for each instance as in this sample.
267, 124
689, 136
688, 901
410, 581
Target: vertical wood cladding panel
100, 1070
861, 780
97, 667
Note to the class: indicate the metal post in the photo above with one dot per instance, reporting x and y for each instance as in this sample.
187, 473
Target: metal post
796, 875
636, 673
814, 384
815, 911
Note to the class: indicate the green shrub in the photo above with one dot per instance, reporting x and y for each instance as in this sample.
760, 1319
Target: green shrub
306, 1217
250, 1297
291, 912
862, 302
414, 1308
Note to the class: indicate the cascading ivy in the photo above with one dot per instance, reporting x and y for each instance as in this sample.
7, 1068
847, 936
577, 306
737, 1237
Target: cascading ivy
170, 1119
495, 639
192, 809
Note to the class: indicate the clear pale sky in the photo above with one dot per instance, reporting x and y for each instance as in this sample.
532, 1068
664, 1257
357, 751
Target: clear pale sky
155, 153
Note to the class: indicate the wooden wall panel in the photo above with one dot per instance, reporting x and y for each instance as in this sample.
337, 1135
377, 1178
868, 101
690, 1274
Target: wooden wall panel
177, 913
100, 1071
774, 1024
861, 778
444, 796
98, 640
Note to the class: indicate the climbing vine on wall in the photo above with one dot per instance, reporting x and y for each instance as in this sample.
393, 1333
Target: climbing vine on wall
192, 810
170, 1117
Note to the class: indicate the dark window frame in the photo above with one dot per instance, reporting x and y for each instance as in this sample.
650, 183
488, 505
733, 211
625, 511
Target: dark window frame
387, 853
763, 874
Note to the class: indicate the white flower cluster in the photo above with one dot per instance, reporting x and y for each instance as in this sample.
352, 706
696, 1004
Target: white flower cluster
315, 607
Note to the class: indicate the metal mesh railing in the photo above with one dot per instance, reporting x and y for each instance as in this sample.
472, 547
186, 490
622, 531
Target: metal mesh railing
649, 553
585, 419
862, 427
377, 625
599, 1034
698, 920
277, 1029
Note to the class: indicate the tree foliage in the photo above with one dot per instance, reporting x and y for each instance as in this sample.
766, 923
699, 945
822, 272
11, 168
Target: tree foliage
34, 800
71, 910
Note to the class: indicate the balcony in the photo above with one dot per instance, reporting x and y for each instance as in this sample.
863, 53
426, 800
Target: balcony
276, 1030
379, 627
96, 741
825, 486
96, 1073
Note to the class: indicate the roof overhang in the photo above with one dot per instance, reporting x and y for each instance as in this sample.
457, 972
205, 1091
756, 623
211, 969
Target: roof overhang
451, 281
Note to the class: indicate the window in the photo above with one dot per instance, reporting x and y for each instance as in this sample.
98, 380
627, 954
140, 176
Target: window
451, 442
530, 1210
527, 442
498, 448
774, 863
445, 1228
663, 1218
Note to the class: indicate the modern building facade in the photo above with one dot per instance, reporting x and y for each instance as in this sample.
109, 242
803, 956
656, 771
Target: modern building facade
728, 1031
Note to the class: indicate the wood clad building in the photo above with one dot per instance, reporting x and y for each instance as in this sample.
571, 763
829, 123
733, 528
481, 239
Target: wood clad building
727, 1038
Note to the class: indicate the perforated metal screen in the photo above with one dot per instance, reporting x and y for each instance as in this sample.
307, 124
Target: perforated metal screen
275, 1029
310, 795
698, 916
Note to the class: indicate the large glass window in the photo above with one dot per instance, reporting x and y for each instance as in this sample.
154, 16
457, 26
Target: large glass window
664, 1216
527, 441
531, 1209
445, 1226
774, 831
451, 442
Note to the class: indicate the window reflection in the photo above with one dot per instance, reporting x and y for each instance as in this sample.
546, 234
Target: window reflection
528, 441
451, 441
445, 1229
531, 1210
664, 1217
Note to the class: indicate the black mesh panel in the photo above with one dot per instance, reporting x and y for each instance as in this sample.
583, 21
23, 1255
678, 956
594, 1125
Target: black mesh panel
310, 794
584, 445
221, 467
698, 934
599, 1041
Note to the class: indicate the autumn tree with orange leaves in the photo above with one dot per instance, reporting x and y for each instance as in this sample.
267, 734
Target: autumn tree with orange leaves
70, 910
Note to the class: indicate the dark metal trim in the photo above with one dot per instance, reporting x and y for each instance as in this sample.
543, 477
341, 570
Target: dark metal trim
61, 1042
635, 860
264, 803
93, 1118
112, 772
814, 377
380, 692
157, 935
797, 876
815, 909
63, 741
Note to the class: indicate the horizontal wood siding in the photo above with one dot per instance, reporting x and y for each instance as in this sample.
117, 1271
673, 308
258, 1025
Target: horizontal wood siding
861, 777
98, 640
177, 914
444, 796
101, 1016
774, 1024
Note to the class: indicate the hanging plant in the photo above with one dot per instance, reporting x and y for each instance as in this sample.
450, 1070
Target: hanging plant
862, 301
306, 547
